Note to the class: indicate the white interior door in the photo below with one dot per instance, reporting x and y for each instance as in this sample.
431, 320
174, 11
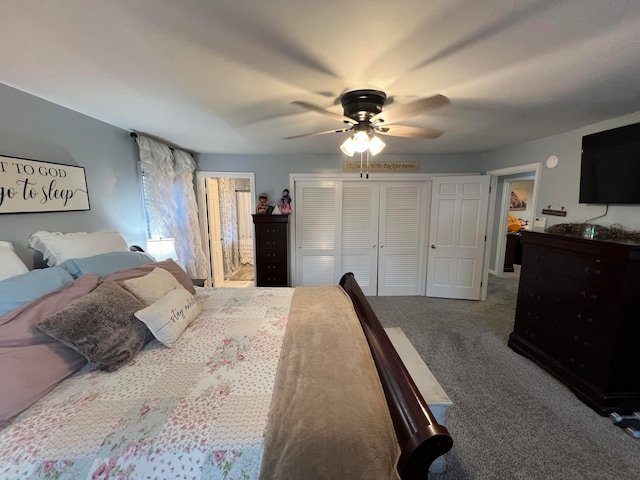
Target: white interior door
457, 236
360, 207
215, 235
401, 239
318, 226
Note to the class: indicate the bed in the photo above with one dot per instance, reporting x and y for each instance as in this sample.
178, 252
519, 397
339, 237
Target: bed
270, 383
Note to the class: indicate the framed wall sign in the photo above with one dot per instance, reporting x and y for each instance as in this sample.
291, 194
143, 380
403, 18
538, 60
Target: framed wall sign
28, 186
380, 166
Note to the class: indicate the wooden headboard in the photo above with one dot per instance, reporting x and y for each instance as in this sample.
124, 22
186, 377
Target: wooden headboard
422, 439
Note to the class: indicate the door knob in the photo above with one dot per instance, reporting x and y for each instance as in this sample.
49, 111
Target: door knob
433, 246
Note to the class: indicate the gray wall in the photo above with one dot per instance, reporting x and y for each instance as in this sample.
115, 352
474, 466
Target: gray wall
40, 130
272, 171
560, 185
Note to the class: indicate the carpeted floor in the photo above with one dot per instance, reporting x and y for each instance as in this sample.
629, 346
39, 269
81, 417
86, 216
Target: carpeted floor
509, 419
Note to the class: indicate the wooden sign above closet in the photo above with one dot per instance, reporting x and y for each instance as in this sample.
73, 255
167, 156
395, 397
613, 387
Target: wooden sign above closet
380, 166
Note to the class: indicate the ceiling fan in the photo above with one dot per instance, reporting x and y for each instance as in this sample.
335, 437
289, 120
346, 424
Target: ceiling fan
363, 112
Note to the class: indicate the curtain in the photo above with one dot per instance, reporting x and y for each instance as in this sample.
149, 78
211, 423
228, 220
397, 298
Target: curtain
229, 225
245, 227
189, 249
170, 202
156, 162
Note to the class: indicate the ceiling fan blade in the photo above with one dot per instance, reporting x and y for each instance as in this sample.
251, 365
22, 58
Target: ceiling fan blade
406, 131
340, 130
410, 109
315, 108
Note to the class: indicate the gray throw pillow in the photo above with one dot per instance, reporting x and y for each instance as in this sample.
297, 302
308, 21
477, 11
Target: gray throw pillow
101, 326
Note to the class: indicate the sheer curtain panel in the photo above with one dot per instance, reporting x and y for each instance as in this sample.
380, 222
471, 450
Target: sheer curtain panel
190, 247
156, 161
170, 202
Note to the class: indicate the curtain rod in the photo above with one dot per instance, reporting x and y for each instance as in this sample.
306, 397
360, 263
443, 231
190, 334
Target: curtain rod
190, 152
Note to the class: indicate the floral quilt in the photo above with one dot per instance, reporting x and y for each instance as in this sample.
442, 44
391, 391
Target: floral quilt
195, 411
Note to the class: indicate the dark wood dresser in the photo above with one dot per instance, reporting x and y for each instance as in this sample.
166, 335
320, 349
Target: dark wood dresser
578, 316
513, 252
271, 250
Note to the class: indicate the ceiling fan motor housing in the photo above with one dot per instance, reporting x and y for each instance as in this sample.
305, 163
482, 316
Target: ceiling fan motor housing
361, 105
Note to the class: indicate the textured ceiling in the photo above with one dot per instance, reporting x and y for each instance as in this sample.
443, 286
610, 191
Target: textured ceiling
219, 76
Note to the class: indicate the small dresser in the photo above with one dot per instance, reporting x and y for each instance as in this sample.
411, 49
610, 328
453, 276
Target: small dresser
271, 250
578, 316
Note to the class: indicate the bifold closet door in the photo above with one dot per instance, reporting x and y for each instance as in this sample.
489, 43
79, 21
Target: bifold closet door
318, 225
360, 209
401, 256
383, 236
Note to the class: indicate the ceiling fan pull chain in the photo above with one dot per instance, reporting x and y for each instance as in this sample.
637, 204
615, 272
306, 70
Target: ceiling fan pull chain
360, 164
367, 164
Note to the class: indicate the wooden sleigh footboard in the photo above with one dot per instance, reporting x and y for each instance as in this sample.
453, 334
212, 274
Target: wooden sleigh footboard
421, 438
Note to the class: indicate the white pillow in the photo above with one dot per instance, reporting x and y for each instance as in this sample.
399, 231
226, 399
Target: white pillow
170, 316
153, 286
56, 247
10, 263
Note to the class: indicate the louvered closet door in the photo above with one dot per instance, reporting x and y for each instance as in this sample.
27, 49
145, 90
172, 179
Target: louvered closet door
360, 209
318, 225
401, 258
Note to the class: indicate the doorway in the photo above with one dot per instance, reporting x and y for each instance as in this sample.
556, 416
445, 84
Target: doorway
225, 207
502, 184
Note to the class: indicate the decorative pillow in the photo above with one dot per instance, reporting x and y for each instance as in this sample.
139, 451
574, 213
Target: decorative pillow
33, 362
10, 263
21, 289
153, 286
169, 265
106, 263
56, 247
101, 326
171, 315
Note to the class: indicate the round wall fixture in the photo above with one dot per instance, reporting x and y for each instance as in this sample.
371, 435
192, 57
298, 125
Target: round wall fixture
552, 161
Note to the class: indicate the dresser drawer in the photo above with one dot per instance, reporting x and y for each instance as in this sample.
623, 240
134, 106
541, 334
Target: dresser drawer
533, 329
549, 288
582, 363
271, 255
271, 243
589, 270
268, 278
271, 230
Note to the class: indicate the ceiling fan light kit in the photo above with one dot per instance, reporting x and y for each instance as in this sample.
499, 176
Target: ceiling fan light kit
364, 117
360, 142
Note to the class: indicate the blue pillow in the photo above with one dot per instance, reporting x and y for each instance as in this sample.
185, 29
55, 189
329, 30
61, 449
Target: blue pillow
21, 289
106, 263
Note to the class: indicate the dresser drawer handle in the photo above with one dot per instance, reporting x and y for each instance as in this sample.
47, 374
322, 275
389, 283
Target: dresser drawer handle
537, 277
575, 362
588, 319
592, 297
589, 271
539, 258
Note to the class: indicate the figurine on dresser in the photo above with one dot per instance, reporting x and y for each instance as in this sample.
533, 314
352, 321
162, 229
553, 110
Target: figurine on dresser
262, 208
285, 203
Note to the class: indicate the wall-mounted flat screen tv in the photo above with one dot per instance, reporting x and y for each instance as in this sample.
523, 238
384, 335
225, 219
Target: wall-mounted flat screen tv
610, 170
